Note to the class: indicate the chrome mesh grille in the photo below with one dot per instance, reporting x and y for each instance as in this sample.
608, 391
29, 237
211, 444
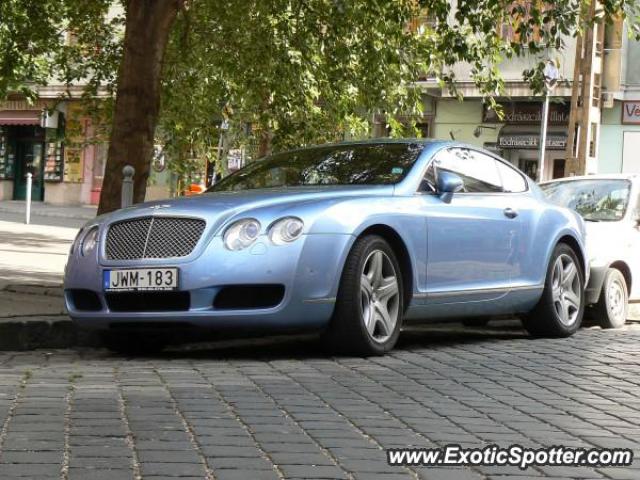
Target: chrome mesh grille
153, 237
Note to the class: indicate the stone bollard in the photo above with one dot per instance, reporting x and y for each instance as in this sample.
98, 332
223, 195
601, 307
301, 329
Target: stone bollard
127, 186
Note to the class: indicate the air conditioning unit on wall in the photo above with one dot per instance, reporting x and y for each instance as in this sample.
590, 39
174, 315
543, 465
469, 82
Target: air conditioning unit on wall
607, 100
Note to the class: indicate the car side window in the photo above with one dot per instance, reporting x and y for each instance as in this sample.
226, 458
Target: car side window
478, 171
428, 183
512, 180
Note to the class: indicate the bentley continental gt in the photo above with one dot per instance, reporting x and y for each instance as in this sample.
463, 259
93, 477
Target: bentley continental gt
349, 239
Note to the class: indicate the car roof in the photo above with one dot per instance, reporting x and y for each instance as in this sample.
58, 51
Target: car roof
427, 142
604, 176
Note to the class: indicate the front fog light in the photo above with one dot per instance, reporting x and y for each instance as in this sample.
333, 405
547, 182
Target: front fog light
286, 230
241, 234
90, 241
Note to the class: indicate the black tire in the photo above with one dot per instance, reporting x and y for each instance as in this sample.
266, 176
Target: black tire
545, 320
347, 332
133, 344
475, 322
613, 306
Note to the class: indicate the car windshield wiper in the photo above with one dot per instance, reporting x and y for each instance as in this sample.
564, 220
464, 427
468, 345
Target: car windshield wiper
592, 220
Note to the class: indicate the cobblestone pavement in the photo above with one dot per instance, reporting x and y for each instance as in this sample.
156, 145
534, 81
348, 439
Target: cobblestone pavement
272, 409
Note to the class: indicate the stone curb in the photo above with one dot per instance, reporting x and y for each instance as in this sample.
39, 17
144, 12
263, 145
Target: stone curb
50, 290
30, 332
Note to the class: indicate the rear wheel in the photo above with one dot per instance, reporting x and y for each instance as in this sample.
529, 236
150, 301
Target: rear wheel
561, 308
369, 306
613, 306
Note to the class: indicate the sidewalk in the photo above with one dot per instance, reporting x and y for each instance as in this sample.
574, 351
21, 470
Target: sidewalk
33, 254
47, 214
85, 212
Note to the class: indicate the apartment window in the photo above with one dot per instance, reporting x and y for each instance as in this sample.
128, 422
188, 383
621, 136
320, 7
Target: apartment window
517, 15
596, 90
422, 21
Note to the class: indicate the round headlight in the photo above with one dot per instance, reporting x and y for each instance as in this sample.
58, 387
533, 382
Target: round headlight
286, 230
241, 234
90, 241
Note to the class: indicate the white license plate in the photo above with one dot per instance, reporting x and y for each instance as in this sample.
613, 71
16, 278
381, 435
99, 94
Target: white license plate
145, 279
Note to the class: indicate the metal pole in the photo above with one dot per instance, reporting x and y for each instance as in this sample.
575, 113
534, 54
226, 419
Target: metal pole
29, 184
127, 186
543, 136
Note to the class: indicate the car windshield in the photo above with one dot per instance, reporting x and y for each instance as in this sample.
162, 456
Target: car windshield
595, 200
361, 164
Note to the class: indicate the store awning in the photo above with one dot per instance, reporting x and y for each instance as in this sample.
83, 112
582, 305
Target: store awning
20, 117
523, 138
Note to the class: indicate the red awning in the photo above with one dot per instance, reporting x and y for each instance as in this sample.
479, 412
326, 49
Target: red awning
20, 117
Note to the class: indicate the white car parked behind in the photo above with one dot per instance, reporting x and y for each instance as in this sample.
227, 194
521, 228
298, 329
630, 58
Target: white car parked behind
610, 204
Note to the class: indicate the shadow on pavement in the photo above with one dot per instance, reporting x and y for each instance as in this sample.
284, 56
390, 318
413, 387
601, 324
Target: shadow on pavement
305, 347
31, 240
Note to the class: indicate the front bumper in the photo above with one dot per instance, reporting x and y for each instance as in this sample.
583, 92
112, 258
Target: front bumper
309, 269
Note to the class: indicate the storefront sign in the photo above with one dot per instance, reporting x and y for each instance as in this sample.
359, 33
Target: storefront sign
73, 165
528, 113
631, 113
531, 141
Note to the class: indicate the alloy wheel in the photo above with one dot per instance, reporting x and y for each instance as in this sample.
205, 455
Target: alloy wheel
566, 289
379, 296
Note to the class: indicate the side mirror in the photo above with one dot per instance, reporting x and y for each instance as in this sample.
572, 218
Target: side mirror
449, 183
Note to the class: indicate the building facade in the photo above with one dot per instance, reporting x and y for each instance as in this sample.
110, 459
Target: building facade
33, 140
63, 149
620, 125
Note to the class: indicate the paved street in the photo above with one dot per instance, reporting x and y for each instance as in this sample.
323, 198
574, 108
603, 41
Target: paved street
279, 409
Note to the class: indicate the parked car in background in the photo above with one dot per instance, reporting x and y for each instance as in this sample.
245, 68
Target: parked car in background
349, 239
610, 204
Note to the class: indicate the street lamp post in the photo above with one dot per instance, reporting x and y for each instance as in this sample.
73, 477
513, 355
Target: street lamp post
551, 75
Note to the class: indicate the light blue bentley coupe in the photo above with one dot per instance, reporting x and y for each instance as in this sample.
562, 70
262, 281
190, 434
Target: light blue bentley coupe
349, 239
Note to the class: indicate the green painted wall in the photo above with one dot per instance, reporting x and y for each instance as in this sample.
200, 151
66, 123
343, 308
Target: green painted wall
461, 118
611, 139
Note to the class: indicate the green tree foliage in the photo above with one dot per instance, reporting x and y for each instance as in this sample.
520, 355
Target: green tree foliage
59, 42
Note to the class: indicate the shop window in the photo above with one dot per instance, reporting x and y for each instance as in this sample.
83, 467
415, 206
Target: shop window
558, 168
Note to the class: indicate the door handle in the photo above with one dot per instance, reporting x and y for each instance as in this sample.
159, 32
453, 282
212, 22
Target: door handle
510, 213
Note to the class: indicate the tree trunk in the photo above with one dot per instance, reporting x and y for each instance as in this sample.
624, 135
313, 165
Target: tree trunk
147, 29
264, 143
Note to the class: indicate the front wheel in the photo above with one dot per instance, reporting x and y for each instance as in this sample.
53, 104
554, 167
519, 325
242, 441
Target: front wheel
613, 306
369, 305
560, 310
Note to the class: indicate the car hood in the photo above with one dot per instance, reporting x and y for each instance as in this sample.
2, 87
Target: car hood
219, 207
